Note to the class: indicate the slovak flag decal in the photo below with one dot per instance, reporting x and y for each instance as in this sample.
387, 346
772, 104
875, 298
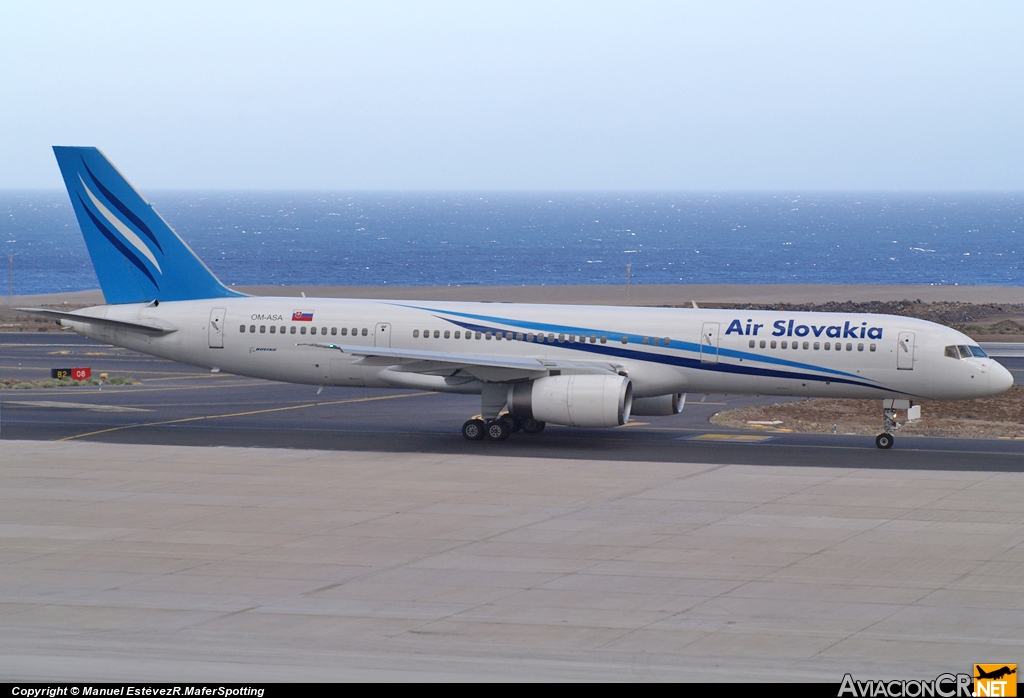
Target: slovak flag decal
302, 316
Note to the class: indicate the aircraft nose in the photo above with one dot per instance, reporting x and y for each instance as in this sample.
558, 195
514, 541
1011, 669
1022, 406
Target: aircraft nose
999, 379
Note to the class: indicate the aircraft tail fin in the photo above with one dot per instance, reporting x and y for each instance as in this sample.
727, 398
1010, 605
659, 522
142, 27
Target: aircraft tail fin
138, 257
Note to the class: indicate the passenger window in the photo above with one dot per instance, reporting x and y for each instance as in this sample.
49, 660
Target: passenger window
807, 345
644, 340
625, 339
273, 329
487, 335
593, 339
241, 328
530, 336
364, 332
667, 342
478, 335
839, 346
561, 338
751, 344
292, 330
437, 334
355, 331
762, 344
303, 330
519, 336
334, 331
860, 347
252, 329
817, 346
604, 339
263, 329
773, 344
849, 346
828, 345
551, 338
458, 334
784, 344
415, 333
344, 332
871, 348
447, 334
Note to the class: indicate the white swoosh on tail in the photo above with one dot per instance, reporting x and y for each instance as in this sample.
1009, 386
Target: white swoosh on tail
128, 233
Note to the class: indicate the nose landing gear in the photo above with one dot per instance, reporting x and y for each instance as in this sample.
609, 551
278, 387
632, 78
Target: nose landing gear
889, 423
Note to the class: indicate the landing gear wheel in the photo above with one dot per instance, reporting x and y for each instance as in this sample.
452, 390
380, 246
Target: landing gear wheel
474, 429
884, 440
532, 426
512, 422
497, 430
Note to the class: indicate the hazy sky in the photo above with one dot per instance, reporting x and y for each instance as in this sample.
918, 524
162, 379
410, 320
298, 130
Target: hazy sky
518, 95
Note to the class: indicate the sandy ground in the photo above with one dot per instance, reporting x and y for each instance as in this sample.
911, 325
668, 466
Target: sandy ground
995, 417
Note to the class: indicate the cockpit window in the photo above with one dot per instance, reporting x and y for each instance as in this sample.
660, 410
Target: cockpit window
952, 352
979, 352
965, 351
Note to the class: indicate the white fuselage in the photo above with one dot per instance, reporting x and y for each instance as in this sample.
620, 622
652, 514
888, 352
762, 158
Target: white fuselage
666, 350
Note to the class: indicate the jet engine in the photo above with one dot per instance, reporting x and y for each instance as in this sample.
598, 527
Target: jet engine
659, 406
576, 400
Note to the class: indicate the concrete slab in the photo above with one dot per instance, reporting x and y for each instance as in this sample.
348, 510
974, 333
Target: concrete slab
125, 562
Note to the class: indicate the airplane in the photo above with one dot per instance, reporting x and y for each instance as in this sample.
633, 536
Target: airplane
580, 366
995, 674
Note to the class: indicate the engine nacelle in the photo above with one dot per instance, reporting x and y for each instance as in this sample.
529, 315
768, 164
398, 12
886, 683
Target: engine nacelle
577, 400
660, 406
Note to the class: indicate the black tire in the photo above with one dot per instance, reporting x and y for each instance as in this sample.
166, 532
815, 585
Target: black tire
514, 423
532, 426
884, 441
497, 430
474, 430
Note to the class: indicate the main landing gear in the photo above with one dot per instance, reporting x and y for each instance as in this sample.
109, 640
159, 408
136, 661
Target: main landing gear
500, 428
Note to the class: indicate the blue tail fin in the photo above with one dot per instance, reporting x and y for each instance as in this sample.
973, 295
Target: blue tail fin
137, 256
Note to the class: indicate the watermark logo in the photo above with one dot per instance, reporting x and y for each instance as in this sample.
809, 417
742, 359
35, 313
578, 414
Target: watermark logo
995, 680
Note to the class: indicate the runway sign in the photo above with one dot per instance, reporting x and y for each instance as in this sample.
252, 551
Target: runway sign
75, 374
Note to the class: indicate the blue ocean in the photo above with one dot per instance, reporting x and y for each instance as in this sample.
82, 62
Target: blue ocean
370, 239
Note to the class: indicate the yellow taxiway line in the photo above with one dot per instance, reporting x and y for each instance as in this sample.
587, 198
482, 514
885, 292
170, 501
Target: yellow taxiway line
243, 414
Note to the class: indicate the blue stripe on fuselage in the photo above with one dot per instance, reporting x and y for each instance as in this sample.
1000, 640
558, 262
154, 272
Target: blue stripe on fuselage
650, 356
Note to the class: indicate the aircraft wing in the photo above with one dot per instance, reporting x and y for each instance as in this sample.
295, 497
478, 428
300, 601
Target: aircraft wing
483, 366
118, 324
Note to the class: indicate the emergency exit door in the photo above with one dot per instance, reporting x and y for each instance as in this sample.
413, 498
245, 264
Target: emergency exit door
905, 351
382, 335
216, 329
709, 342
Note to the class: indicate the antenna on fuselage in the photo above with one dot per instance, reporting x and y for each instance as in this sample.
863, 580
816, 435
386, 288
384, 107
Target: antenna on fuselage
695, 305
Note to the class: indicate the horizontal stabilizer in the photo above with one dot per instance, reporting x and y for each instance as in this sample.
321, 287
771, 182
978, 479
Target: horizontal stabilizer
118, 324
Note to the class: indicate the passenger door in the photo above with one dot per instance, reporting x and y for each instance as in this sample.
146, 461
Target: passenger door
382, 335
709, 342
905, 351
216, 328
